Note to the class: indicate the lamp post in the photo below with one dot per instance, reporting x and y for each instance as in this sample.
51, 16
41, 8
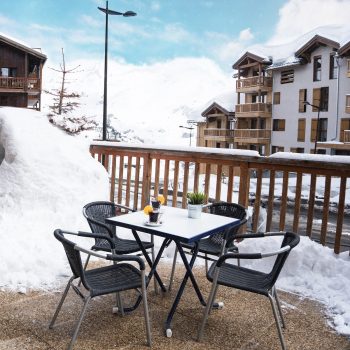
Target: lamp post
108, 12
188, 128
317, 123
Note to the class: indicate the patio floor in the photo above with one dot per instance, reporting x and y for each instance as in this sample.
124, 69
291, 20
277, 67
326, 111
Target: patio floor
246, 322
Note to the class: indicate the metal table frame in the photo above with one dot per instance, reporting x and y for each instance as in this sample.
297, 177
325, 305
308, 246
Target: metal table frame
186, 230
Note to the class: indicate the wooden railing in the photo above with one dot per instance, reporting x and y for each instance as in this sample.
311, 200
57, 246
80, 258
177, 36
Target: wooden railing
346, 136
218, 132
253, 82
20, 83
290, 188
252, 134
253, 107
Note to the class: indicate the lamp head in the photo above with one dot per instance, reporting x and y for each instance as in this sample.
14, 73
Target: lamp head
129, 14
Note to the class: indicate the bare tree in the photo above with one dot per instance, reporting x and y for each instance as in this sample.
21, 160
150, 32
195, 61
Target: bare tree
64, 103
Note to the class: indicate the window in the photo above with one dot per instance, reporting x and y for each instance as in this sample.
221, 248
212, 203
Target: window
279, 124
320, 98
347, 104
344, 130
348, 65
276, 98
297, 149
302, 99
317, 68
322, 129
218, 124
275, 149
8, 72
333, 67
301, 130
218, 145
287, 76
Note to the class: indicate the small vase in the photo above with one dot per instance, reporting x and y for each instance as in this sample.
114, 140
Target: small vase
194, 210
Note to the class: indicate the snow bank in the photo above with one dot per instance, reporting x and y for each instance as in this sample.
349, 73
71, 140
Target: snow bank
46, 178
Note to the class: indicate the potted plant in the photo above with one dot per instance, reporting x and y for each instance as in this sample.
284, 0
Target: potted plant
195, 201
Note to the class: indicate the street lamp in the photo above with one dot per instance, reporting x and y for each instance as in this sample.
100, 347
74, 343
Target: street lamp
188, 128
317, 123
108, 12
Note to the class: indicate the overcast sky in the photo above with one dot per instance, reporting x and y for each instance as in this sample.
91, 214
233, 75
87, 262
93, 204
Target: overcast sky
221, 30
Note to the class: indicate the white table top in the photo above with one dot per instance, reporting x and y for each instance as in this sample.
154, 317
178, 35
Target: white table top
176, 225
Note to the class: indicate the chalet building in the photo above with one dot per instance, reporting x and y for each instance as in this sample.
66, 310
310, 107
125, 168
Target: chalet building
20, 74
218, 128
297, 104
309, 99
253, 108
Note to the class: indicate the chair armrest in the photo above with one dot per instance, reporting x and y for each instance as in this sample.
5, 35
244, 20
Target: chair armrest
121, 206
259, 235
116, 257
231, 236
254, 256
97, 235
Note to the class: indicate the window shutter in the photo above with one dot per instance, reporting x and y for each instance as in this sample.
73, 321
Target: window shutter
313, 130
344, 125
301, 130
316, 98
302, 98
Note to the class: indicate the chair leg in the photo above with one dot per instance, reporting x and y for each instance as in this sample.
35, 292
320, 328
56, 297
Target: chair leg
278, 325
61, 302
85, 266
209, 305
279, 306
145, 308
173, 270
77, 327
120, 303
206, 263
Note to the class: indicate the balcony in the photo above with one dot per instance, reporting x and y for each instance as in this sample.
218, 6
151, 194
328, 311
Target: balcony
253, 84
243, 136
10, 84
254, 110
219, 135
298, 193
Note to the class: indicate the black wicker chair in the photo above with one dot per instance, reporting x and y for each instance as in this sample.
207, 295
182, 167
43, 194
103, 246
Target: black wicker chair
101, 281
96, 213
219, 243
229, 275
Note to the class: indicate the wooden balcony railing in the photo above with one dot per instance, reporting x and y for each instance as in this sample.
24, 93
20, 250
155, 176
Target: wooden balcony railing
346, 136
224, 133
23, 84
252, 82
252, 134
297, 193
254, 107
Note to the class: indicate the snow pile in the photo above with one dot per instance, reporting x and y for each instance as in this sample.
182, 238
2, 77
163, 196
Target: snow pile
46, 179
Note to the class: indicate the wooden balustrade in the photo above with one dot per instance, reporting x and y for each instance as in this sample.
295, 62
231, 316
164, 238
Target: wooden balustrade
19, 83
252, 133
218, 132
258, 81
253, 107
287, 187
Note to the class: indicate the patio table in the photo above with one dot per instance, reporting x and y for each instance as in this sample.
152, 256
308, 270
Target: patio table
176, 226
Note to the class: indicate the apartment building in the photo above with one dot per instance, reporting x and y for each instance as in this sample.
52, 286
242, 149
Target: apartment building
297, 104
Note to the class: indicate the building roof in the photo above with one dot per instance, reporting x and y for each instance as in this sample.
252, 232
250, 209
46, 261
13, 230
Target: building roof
345, 50
215, 106
250, 55
313, 44
283, 63
22, 47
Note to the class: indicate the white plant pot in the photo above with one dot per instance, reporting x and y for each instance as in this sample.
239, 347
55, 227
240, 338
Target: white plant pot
194, 210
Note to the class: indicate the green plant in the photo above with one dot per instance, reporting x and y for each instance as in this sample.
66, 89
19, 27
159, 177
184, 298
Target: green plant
196, 198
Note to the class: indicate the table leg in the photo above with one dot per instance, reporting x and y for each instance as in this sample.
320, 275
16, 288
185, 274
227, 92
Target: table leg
149, 261
189, 273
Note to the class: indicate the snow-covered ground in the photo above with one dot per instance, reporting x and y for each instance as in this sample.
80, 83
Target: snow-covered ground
47, 177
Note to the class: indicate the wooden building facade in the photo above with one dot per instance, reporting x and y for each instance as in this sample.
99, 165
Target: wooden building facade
20, 74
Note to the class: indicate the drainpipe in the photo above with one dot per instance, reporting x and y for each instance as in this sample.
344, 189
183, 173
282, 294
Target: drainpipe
337, 58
